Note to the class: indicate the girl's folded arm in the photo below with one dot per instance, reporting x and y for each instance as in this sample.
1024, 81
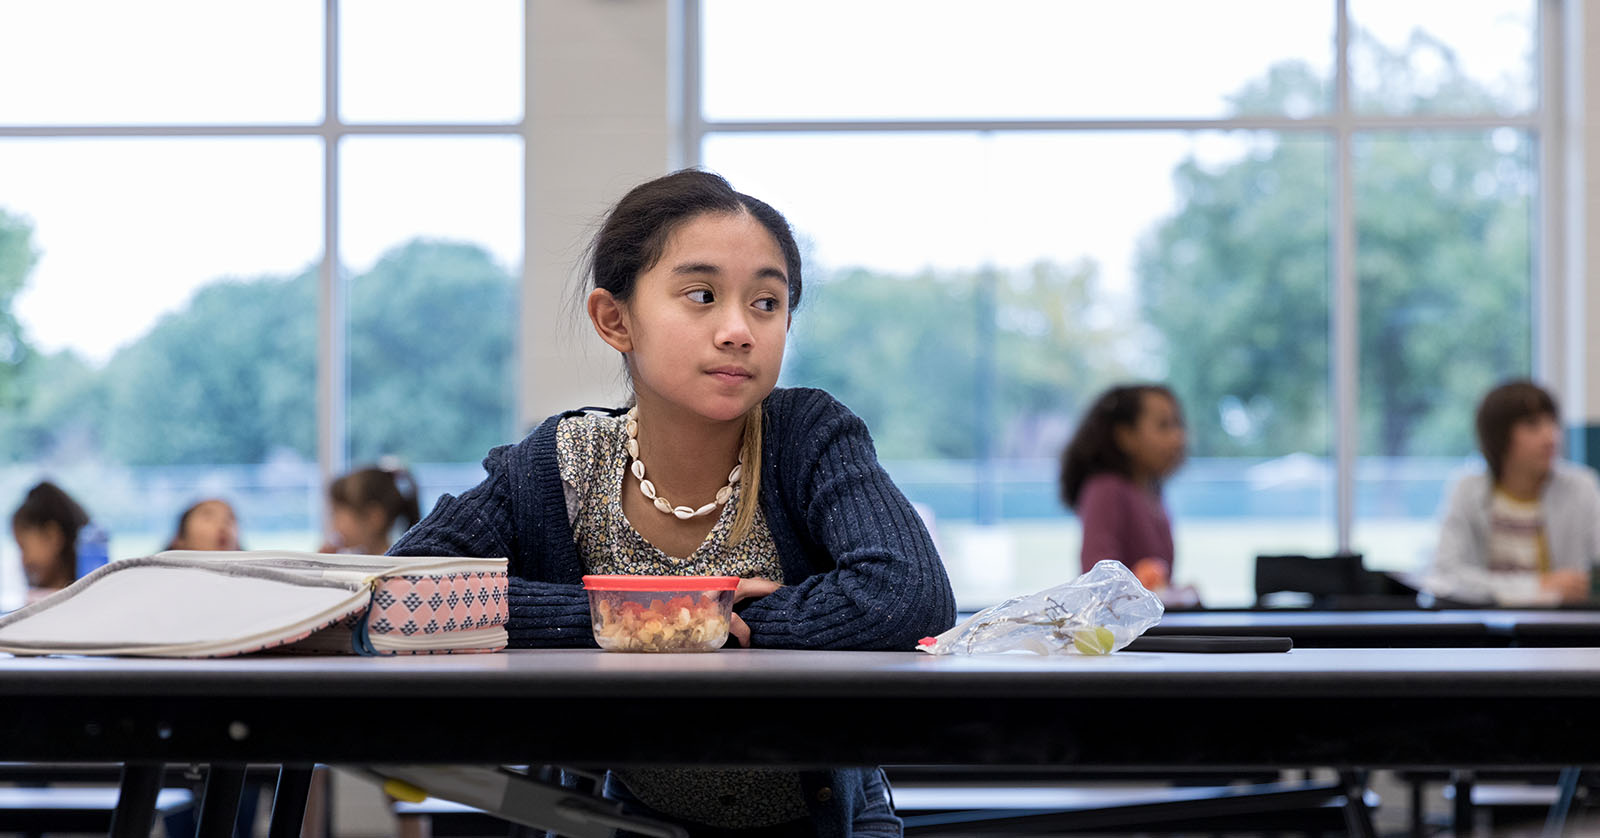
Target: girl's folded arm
888, 588
479, 523
476, 523
548, 614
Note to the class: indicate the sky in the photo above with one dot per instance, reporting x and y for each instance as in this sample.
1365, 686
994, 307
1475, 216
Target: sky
127, 230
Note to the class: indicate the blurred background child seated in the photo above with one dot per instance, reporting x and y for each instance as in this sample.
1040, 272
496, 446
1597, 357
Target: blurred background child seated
370, 508
46, 528
209, 524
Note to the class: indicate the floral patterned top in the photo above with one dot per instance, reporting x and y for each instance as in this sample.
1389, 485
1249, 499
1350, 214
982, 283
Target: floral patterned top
592, 453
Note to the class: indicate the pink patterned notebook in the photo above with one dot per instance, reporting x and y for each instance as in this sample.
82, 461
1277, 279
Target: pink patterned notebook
200, 604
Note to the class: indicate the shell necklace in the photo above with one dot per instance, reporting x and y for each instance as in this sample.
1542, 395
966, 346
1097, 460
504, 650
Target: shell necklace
648, 489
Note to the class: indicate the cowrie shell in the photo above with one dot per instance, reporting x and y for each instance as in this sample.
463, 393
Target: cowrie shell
733, 476
684, 513
724, 493
704, 509
648, 488
661, 504
638, 469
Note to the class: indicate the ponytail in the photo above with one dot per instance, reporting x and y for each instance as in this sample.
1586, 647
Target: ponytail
749, 477
387, 485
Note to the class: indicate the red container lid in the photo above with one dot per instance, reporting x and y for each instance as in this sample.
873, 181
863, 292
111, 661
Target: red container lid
660, 583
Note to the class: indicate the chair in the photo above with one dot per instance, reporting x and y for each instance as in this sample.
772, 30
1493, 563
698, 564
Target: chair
1337, 582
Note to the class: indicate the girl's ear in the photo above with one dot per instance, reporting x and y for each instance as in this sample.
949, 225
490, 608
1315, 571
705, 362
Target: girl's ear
373, 516
609, 319
1123, 436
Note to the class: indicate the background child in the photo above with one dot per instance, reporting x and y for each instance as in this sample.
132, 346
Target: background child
370, 507
207, 525
46, 528
1528, 530
1130, 441
695, 284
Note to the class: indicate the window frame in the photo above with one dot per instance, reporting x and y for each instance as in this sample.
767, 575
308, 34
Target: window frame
1339, 125
332, 316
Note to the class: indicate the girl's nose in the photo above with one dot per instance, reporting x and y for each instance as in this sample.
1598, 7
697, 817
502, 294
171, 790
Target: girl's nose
734, 332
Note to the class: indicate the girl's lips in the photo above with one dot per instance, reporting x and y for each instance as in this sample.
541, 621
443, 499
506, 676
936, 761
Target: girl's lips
729, 374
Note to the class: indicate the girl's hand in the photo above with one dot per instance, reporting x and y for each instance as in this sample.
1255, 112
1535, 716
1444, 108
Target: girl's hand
748, 589
754, 588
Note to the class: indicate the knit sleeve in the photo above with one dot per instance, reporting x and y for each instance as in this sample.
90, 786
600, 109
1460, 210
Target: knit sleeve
484, 521
548, 615
477, 523
887, 588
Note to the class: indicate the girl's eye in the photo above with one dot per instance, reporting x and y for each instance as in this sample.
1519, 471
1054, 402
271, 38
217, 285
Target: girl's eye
767, 304
700, 295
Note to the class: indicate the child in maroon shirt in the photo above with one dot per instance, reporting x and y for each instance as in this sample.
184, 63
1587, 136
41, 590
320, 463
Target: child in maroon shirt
1130, 441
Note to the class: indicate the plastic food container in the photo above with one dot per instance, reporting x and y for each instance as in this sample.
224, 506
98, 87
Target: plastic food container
660, 613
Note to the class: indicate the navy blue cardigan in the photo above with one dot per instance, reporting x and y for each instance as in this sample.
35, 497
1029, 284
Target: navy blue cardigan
861, 568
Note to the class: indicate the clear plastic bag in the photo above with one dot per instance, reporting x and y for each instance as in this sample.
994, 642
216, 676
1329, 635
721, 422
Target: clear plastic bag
1096, 614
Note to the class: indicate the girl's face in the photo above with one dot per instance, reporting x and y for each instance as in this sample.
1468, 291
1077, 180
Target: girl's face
1535, 442
210, 527
706, 325
41, 553
1155, 442
358, 527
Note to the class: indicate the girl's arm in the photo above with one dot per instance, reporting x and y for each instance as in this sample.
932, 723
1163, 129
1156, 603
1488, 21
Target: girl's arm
1460, 566
480, 523
888, 588
1101, 515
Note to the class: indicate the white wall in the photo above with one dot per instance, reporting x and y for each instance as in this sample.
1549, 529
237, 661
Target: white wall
600, 118
1582, 206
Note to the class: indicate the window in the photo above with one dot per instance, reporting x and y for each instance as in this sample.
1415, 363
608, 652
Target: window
1009, 206
165, 253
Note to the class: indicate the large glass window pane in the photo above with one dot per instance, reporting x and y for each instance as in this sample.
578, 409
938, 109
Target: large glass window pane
432, 232
1437, 56
73, 62
159, 332
430, 61
910, 59
969, 315
1444, 227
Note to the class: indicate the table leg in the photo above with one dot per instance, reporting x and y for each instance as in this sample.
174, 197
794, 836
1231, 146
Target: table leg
1461, 823
219, 803
1419, 809
289, 801
1357, 816
1556, 823
135, 814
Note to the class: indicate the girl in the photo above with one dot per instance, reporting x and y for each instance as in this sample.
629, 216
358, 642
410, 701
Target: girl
369, 505
695, 284
46, 528
207, 525
1129, 443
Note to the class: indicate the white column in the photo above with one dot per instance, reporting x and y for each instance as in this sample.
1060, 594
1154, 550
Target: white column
1581, 176
601, 118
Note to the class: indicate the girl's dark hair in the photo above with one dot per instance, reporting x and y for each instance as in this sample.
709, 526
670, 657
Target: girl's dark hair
1502, 408
631, 241
389, 487
47, 504
183, 520
635, 232
1093, 449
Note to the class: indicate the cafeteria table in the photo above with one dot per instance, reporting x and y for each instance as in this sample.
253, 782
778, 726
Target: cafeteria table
1338, 708
1395, 628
